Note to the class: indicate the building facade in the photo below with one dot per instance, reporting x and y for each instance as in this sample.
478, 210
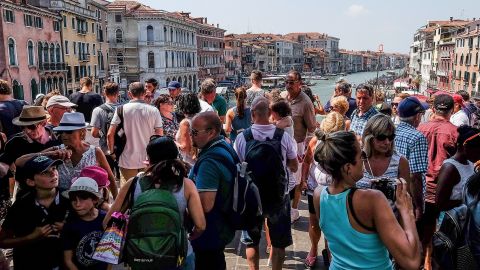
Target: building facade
210, 47
466, 61
233, 57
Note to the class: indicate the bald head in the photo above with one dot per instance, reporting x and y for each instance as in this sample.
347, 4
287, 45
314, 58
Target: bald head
209, 120
136, 89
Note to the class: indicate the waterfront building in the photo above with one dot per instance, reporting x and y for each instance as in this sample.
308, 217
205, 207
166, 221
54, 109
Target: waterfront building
466, 61
148, 43
30, 49
351, 61
102, 47
315, 60
233, 57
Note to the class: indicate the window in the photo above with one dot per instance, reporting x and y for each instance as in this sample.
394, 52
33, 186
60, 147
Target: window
75, 48
28, 20
52, 53
64, 21
166, 59
94, 49
66, 47
9, 16
118, 18
118, 36
45, 53
120, 59
12, 52
38, 22
93, 28
73, 23
31, 61
151, 60
149, 33
56, 26
58, 55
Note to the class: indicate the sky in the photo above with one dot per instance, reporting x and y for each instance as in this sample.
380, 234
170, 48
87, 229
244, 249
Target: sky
360, 25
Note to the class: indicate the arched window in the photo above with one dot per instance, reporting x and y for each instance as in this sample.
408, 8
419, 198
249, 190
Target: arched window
151, 60
166, 59
120, 59
60, 85
49, 84
52, 53
40, 53
45, 53
58, 55
118, 36
150, 33
43, 86
180, 80
17, 90
12, 52
171, 35
184, 81
33, 88
31, 60
55, 83
173, 59
165, 33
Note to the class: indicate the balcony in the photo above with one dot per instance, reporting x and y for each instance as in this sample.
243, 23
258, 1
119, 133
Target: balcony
81, 31
442, 73
52, 67
211, 49
83, 57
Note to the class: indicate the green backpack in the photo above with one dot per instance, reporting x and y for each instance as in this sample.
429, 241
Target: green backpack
156, 238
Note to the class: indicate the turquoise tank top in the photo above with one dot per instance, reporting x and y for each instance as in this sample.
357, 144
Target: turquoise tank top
350, 248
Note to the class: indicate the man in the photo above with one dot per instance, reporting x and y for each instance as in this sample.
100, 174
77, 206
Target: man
303, 115
469, 107
256, 89
365, 109
412, 144
35, 137
56, 107
396, 100
459, 117
207, 95
140, 121
279, 223
213, 180
86, 99
150, 88
441, 138
174, 89
343, 88
9, 109
102, 117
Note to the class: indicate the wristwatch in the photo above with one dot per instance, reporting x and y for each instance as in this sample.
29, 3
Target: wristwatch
108, 153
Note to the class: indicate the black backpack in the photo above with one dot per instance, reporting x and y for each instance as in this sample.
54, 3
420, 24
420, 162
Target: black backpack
242, 208
265, 162
120, 139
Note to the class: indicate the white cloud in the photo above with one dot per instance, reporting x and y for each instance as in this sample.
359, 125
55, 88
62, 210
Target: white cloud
356, 10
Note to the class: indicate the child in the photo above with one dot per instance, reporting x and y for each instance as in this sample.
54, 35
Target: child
83, 230
282, 116
34, 221
101, 177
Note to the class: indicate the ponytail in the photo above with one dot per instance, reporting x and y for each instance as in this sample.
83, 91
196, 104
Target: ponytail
168, 174
241, 95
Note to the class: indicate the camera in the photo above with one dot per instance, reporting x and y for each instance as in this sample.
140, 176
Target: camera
387, 186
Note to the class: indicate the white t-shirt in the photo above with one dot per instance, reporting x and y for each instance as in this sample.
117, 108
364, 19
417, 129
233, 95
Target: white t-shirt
260, 133
459, 118
252, 93
140, 122
205, 107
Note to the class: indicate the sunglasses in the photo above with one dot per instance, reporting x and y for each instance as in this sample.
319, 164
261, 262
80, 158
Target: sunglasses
65, 131
195, 132
383, 137
291, 82
394, 104
32, 127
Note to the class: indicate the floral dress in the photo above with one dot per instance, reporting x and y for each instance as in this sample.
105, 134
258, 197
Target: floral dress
170, 126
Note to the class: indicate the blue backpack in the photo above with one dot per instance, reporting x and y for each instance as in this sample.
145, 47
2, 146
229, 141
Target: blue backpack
243, 207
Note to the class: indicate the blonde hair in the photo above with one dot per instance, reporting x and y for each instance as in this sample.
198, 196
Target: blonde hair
341, 103
334, 121
379, 124
379, 95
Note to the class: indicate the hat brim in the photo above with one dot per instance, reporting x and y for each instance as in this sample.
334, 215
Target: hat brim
66, 193
69, 128
16, 121
64, 104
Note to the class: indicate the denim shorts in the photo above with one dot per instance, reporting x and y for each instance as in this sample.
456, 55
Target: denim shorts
279, 227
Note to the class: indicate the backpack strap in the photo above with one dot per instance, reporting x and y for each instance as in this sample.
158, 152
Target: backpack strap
352, 211
106, 108
277, 136
247, 134
120, 113
218, 158
129, 197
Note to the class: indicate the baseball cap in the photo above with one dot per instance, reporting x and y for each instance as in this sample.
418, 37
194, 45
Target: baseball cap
458, 99
38, 164
443, 102
174, 85
161, 148
60, 100
85, 184
410, 106
96, 173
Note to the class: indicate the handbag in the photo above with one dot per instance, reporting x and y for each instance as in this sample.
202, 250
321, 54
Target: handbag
110, 246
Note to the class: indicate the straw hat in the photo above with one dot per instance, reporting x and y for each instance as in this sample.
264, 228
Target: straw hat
30, 115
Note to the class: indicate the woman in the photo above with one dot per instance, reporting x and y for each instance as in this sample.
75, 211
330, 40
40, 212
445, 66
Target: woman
340, 104
317, 105
456, 170
165, 105
166, 171
189, 105
238, 118
72, 130
381, 159
362, 232
313, 176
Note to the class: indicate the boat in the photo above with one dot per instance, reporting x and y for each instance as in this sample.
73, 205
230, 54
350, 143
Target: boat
273, 82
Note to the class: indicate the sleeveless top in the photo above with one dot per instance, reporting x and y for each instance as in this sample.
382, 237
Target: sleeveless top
316, 176
179, 197
170, 126
465, 171
239, 124
66, 171
350, 248
186, 157
391, 172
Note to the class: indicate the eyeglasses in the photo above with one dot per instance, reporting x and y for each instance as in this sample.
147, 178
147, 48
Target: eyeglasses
470, 138
383, 137
291, 82
64, 131
170, 102
194, 132
32, 127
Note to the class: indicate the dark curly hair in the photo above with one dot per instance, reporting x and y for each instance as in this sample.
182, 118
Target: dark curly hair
162, 98
189, 104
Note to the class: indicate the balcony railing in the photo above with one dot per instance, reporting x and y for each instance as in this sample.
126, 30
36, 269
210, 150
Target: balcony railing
81, 31
53, 67
84, 57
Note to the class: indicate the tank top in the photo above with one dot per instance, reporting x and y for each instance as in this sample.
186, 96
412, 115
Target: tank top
391, 172
186, 157
465, 171
350, 248
239, 124
66, 171
179, 197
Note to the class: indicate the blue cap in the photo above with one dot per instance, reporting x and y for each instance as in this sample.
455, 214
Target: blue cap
174, 85
39, 164
410, 106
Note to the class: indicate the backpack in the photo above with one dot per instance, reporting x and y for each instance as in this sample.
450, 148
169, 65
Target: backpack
265, 162
156, 238
243, 208
450, 250
120, 140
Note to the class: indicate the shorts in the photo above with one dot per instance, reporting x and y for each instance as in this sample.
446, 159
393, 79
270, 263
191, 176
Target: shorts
300, 153
279, 227
426, 225
311, 206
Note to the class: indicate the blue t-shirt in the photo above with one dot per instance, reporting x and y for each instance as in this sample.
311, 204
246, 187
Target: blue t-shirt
10, 109
82, 238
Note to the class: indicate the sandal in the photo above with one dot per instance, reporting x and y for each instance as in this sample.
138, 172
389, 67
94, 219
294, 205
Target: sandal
268, 250
310, 261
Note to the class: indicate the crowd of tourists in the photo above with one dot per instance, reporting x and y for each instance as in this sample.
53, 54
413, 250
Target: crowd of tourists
164, 181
